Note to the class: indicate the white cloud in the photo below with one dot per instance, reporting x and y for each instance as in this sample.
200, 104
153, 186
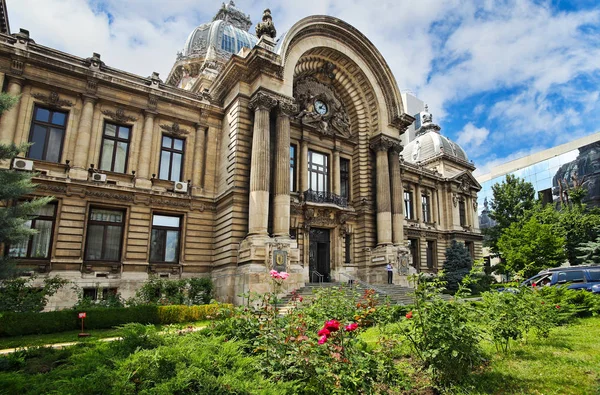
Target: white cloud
471, 138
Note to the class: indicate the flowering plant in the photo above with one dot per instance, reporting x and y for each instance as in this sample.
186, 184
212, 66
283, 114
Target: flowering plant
279, 275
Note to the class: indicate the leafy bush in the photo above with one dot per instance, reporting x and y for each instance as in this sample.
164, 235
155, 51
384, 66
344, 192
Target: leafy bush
573, 303
18, 295
174, 292
457, 265
179, 314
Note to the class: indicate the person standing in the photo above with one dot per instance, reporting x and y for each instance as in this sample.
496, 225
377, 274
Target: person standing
390, 271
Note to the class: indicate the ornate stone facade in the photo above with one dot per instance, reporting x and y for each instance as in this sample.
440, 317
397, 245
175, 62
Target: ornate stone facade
286, 153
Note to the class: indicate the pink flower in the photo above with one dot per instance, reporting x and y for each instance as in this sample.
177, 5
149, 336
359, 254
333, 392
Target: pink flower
323, 340
279, 276
332, 325
351, 327
324, 332
284, 275
274, 273
409, 315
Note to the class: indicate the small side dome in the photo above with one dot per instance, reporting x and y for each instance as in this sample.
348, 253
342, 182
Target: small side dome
429, 143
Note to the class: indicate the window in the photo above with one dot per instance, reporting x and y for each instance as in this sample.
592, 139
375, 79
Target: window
38, 245
348, 248
462, 212
99, 293
414, 251
104, 235
471, 248
164, 246
430, 254
318, 175
408, 210
594, 275
292, 168
426, 208
575, 276
115, 147
345, 178
47, 134
171, 158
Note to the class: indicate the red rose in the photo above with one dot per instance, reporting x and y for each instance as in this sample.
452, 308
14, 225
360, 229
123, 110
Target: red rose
409, 315
323, 339
324, 332
332, 325
351, 327
557, 306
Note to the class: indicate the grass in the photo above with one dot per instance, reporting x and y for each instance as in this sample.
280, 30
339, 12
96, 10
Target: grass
71, 336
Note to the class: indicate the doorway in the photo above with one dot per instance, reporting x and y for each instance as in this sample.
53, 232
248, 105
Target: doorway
319, 254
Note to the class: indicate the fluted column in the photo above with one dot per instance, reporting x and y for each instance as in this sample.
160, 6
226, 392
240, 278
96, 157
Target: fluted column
8, 122
397, 198
303, 166
281, 198
418, 203
260, 175
337, 189
381, 144
84, 133
146, 146
199, 160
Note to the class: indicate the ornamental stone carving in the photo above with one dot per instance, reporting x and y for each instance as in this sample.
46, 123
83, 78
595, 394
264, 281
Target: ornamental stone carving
385, 143
266, 27
119, 115
174, 128
320, 108
262, 101
53, 99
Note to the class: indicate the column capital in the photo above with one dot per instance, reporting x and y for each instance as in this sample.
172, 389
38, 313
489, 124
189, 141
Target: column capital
262, 101
15, 80
149, 113
385, 143
288, 108
88, 99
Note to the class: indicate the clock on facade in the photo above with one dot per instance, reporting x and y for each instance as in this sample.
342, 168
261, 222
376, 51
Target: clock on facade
320, 107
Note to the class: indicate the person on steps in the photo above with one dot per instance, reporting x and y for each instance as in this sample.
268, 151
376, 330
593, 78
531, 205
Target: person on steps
390, 271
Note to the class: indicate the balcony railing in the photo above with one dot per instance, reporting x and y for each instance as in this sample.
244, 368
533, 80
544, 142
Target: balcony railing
325, 197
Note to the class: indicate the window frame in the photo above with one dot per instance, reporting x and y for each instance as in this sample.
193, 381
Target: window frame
162, 227
345, 178
30, 239
408, 204
324, 173
426, 208
105, 224
47, 125
116, 140
171, 152
431, 258
462, 212
415, 245
293, 167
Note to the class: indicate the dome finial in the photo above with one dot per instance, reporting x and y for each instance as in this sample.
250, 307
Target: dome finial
427, 117
266, 27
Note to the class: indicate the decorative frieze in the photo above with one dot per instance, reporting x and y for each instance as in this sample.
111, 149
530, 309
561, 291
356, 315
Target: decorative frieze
109, 195
174, 128
119, 115
53, 99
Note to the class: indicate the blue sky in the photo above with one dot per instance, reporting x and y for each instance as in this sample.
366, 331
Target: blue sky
503, 78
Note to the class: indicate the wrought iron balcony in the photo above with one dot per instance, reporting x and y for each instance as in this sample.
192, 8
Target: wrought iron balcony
325, 197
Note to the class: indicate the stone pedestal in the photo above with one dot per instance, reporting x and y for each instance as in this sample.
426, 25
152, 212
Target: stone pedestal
398, 256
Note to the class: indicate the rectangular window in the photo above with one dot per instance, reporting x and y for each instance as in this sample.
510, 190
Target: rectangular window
345, 178
38, 245
164, 244
471, 248
348, 249
115, 147
171, 159
462, 212
292, 168
408, 204
99, 293
414, 251
47, 134
425, 203
104, 235
430, 254
318, 173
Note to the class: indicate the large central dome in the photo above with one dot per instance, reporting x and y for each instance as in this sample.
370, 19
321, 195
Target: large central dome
210, 45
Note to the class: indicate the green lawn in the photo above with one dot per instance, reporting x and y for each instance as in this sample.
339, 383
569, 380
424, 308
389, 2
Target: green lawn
71, 336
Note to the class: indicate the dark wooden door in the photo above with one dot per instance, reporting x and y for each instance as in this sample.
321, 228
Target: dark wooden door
319, 254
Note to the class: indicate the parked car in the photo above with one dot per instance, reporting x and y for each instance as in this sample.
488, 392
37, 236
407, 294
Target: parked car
574, 277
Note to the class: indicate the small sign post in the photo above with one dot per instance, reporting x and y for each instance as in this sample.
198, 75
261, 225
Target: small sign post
82, 316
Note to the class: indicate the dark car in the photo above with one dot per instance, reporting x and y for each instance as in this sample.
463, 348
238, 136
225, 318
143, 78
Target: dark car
574, 277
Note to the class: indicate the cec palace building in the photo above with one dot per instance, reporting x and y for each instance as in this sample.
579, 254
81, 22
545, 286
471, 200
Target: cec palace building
254, 153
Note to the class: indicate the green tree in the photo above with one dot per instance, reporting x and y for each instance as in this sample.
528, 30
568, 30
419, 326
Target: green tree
529, 246
589, 252
457, 265
580, 226
14, 185
513, 200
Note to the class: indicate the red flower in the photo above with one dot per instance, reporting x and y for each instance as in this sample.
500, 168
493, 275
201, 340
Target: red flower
543, 302
533, 285
300, 298
332, 325
557, 306
323, 340
409, 315
324, 332
351, 327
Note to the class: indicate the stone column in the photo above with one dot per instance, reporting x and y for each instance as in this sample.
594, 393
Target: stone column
303, 163
260, 175
198, 169
84, 133
435, 207
281, 198
146, 146
337, 189
8, 123
418, 203
381, 145
397, 198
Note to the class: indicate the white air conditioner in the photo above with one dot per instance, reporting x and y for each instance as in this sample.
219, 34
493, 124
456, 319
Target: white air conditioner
99, 177
181, 187
22, 164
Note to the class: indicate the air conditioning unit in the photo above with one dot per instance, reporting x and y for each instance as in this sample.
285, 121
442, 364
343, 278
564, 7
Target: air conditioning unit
99, 177
22, 164
181, 187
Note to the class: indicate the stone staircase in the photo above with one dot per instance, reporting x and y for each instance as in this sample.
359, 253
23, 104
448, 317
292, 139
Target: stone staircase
396, 293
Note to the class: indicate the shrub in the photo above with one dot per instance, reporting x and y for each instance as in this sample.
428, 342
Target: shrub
160, 291
18, 295
179, 314
457, 265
